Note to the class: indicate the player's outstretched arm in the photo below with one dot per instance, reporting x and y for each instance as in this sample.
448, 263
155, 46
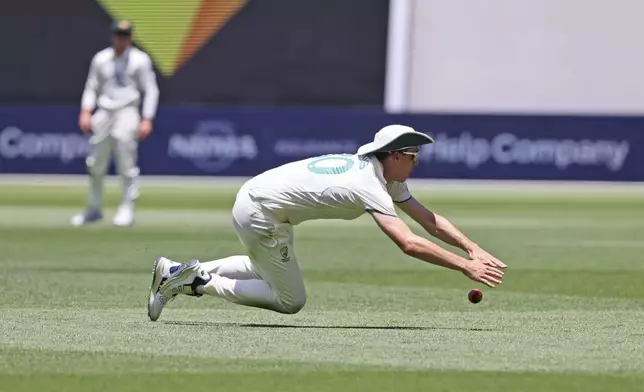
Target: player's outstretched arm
441, 228
425, 250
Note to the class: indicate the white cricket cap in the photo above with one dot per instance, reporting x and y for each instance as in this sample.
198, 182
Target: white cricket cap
395, 137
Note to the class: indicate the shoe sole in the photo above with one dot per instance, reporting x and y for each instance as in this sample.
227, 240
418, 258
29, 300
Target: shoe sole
191, 267
129, 224
154, 286
86, 222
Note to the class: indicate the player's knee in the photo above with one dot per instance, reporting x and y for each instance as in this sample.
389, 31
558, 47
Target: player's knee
94, 168
128, 172
295, 305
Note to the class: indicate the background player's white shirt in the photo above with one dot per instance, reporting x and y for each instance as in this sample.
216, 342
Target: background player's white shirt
115, 82
326, 187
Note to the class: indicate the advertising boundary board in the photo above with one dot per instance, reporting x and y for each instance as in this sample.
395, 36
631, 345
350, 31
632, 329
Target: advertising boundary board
203, 141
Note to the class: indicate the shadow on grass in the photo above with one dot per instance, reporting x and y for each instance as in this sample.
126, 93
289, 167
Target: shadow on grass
293, 326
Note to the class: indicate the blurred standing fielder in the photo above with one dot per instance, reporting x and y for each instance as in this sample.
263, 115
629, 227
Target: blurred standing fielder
118, 78
340, 186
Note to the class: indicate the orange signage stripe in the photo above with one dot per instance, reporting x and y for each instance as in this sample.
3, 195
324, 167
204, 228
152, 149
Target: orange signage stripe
212, 16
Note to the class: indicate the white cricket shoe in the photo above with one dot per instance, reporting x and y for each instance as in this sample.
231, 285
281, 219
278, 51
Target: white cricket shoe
124, 216
89, 216
163, 269
184, 280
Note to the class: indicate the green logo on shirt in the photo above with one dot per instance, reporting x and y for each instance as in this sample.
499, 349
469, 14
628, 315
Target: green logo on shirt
364, 161
332, 164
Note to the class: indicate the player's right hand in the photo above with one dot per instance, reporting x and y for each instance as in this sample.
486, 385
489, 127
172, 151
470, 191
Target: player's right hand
85, 121
482, 273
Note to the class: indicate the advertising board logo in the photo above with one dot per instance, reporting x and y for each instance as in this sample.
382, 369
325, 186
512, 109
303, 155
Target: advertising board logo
18, 144
173, 31
508, 148
213, 147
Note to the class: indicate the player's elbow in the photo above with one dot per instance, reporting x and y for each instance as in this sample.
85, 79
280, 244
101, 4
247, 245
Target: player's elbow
152, 95
409, 245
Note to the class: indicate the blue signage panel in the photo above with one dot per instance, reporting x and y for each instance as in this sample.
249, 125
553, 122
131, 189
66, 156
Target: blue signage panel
243, 142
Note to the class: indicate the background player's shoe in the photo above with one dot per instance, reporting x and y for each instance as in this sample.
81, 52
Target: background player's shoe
124, 216
162, 270
89, 216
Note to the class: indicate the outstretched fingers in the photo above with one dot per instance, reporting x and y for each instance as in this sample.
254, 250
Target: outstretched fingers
493, 275
493, 263
484, 273
497, 262
486, 282
492, 271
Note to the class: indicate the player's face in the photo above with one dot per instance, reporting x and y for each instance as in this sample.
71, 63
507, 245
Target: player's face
405, 163
120, 42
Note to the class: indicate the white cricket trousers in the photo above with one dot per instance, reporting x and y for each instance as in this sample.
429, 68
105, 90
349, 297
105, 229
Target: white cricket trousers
270, 276
114, 132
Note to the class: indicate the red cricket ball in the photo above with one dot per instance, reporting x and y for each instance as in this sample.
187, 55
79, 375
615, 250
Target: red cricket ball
475, 296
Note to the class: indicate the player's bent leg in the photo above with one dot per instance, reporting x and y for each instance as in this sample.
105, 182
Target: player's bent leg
252, 292
270, 246
281, 287
279, 268
126, 163
125, 133
97, 163
283, 292
233, 267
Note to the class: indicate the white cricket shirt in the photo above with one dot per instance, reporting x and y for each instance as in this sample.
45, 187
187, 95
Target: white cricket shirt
326, 187
115, 82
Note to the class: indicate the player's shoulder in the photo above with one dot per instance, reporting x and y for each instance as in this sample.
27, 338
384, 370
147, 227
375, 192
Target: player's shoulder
366, 171
140, 55
368, 165
103, 55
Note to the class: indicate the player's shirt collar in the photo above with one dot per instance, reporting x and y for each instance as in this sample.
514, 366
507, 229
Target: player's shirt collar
378, 169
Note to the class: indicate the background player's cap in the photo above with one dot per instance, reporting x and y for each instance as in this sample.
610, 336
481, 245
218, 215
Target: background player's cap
122, 27
395, 137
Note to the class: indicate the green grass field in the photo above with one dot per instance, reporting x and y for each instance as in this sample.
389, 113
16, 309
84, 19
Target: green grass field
569, 317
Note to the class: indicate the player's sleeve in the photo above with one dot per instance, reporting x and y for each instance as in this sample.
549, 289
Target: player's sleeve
399, 191
147, 81
376, 198
91, 86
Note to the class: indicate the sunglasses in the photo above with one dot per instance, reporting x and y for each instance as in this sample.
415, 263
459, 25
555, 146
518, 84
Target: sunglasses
413, 154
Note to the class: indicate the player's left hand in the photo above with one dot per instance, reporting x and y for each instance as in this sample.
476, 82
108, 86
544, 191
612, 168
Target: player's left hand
477, 253
145, 127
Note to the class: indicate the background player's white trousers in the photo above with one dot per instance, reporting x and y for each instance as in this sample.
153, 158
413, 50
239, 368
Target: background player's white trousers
270, 276
114, 132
